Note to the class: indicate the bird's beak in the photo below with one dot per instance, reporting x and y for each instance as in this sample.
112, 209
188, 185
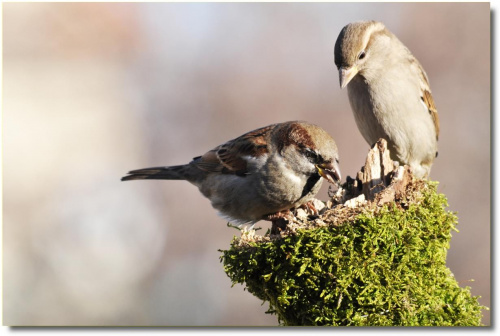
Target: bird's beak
330, 172
346, 74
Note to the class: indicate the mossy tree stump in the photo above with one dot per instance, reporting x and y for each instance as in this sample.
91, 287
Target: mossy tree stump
375, 256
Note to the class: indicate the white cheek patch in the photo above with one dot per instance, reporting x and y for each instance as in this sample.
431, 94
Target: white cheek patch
292, 177
288, 173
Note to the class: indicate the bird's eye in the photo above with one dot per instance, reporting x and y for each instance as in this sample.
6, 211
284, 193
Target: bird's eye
361, 55
311, 155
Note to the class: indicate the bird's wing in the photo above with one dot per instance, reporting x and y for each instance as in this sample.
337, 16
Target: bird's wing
429, 102
232, 157
425, 94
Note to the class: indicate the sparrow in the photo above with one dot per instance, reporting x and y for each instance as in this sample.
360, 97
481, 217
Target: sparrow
389, 93
260, 175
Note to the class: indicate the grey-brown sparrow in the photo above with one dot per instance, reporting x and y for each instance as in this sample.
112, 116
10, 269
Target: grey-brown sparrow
261, 174
389, 93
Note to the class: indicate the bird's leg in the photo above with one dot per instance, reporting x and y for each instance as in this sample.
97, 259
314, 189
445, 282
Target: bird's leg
310, 208
279, 220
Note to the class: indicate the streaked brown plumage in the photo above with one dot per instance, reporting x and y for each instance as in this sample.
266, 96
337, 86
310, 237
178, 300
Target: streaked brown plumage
263, 172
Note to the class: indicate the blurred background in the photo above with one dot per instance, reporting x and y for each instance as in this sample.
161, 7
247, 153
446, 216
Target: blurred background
91, 91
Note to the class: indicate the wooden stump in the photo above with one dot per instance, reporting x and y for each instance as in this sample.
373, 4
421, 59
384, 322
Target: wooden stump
380, 179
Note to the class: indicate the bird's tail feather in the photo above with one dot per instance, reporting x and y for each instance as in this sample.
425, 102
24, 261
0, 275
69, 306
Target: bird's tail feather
158, 173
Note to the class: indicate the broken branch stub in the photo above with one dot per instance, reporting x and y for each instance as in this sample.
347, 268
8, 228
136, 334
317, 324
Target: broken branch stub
380, 179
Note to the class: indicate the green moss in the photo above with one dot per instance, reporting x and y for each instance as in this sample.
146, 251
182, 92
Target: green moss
387, 267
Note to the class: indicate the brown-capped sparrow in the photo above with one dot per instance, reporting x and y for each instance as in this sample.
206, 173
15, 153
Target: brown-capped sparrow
389, 93
261, 174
